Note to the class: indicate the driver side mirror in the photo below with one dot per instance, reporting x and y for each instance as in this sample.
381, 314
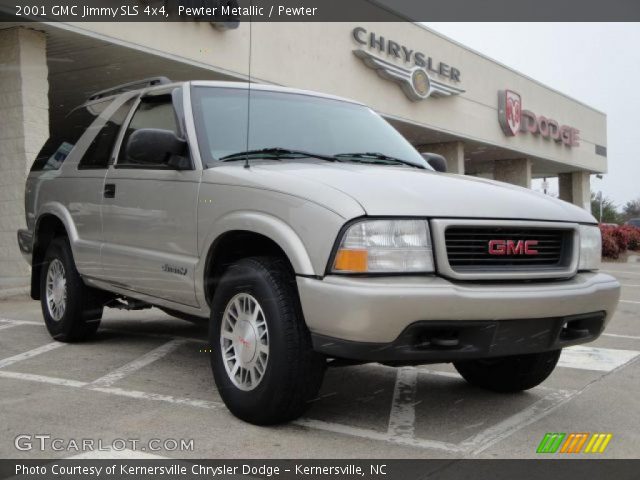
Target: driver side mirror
437, 162
157, 147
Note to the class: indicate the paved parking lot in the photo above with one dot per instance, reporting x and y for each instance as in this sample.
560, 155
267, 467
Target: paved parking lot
146, 376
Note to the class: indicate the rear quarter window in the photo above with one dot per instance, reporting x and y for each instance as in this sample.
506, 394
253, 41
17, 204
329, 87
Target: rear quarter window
65, 135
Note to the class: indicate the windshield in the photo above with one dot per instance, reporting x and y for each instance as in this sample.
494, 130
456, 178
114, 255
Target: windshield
293, 122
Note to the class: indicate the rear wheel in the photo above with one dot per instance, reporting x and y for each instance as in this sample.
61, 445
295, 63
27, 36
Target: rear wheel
509, 374
262, 358
71, 310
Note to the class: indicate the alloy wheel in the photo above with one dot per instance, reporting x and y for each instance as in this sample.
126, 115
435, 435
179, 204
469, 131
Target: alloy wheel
244, 341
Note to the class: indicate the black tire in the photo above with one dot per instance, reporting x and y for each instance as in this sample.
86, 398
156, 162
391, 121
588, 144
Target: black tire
294, 372
83, 310
509, 374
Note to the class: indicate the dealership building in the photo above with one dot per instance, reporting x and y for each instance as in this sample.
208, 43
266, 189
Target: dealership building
485, 118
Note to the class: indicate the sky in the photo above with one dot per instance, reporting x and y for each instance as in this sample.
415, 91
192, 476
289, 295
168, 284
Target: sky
595, 63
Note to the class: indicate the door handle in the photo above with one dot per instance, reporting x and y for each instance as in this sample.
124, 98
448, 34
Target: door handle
110, 190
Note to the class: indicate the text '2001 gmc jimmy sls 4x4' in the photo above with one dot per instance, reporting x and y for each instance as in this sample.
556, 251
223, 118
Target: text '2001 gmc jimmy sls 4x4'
309, 232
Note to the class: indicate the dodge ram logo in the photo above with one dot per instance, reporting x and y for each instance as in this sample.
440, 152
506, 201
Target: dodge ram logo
510, 110
513, 247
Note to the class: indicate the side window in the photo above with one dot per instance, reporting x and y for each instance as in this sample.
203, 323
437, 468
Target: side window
98, 154
65, 133
153, 112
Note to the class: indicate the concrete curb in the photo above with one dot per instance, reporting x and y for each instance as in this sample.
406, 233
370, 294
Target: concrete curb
7, 293
633, 258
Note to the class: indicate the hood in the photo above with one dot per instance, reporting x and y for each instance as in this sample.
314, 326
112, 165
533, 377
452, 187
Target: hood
397, 191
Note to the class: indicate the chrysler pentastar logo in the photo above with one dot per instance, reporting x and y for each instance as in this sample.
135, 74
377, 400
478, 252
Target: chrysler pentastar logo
415, 80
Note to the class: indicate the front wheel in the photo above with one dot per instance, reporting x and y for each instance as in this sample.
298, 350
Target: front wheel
509, 374
262, 358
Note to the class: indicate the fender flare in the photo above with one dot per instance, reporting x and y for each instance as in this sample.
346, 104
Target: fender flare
264, 224
58, 210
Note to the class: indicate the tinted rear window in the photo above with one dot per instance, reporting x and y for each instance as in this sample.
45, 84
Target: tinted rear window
65, 135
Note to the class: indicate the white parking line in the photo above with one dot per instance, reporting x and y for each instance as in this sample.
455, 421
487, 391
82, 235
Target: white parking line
401, 427
593, 358
402, 418
440, 373
158, 397
63, 382
21, 322
376, 435
540, 409
629, 301
8, 325
141, 362
31, 353
615, 335
629, 285
626, 272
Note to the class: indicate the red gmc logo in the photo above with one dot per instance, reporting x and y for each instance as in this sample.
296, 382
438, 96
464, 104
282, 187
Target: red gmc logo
512, 247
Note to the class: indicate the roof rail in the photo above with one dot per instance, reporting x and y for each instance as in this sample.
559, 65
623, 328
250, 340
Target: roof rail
125, 87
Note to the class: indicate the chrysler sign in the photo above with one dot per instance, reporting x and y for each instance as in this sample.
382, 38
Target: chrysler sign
514, 120
414, 71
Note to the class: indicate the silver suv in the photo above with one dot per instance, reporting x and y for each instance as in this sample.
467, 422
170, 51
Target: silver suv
308, 232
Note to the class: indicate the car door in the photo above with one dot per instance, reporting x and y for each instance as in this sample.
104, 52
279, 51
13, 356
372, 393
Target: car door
149, 215
84, 195
76, 156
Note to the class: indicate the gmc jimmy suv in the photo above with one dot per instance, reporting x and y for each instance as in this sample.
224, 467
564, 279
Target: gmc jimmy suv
309, 233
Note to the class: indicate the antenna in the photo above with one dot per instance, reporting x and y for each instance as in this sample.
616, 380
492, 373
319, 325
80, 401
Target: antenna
246, 160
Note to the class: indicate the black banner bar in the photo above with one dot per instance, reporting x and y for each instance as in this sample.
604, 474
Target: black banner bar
228, 13
578, 469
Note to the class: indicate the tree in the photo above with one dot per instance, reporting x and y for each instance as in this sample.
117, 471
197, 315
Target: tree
631, 209
609, 211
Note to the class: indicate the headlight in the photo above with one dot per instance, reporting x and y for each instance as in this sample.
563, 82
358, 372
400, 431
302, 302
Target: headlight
385, 246
590, 248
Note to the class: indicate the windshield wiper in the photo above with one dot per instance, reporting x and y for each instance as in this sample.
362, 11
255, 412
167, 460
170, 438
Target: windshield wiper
368, 156
277, 153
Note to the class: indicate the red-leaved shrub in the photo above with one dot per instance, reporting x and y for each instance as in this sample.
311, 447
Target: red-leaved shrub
633, 236
610, 247
616, 240
622, 237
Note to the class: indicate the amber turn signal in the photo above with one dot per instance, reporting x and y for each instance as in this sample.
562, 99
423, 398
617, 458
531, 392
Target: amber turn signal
351, 260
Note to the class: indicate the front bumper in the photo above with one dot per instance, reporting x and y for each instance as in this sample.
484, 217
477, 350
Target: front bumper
378, 312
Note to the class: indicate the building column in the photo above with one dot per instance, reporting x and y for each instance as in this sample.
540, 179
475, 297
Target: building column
516, 171
452, 151
575, 187
24, 127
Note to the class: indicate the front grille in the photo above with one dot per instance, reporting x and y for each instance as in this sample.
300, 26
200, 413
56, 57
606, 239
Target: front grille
468, 248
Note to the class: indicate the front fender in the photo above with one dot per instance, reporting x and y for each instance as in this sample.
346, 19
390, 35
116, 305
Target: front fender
268, 226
